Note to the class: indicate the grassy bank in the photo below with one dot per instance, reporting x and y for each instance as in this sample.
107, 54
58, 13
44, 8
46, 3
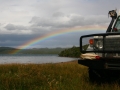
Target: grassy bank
59, 76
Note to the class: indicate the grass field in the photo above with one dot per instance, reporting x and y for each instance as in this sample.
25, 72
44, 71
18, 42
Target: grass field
53, 76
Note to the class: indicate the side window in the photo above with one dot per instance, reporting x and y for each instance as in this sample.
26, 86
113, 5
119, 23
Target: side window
117, 25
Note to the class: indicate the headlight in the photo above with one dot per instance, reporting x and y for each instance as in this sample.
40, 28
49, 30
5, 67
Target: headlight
99, 44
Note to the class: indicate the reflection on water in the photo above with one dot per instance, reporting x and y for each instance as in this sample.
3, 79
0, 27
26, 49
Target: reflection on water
44, 58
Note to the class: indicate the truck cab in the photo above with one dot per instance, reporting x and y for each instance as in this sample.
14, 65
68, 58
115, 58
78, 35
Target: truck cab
102, 57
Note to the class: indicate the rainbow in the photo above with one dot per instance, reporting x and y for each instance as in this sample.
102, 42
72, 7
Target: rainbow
55, 33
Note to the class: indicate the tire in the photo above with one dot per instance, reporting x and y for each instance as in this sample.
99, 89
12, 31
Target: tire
101, 75
94, 76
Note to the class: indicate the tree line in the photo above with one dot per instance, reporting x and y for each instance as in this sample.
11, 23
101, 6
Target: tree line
72, 52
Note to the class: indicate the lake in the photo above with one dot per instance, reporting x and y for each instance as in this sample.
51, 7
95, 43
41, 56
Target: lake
37, 59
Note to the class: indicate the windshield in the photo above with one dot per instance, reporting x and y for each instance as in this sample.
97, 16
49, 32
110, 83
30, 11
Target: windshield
117, 25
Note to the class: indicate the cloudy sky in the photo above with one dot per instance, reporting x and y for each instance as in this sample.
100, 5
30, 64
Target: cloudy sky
24, 20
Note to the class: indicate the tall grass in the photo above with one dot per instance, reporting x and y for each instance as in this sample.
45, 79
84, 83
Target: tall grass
59, 76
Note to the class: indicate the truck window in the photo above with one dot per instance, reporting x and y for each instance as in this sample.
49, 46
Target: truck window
117, 26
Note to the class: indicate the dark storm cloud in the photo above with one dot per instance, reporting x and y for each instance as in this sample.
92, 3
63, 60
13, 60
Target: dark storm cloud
65, 40
15, 27
15, 40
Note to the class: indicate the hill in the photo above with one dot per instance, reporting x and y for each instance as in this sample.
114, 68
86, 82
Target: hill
6, 50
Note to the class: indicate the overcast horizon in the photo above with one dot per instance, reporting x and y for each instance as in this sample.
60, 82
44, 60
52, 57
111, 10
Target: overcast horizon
24, 20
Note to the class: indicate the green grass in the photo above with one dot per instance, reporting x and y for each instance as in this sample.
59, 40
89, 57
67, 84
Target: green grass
59, 76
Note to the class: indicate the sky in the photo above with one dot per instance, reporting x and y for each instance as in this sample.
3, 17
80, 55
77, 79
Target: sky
24, 20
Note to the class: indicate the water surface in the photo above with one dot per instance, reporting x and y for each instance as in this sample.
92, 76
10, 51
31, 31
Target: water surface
43, 58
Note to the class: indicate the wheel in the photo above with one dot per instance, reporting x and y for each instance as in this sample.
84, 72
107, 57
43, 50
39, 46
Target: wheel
94, 76
102, 75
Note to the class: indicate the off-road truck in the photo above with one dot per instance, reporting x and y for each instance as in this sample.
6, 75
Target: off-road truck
102, 57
